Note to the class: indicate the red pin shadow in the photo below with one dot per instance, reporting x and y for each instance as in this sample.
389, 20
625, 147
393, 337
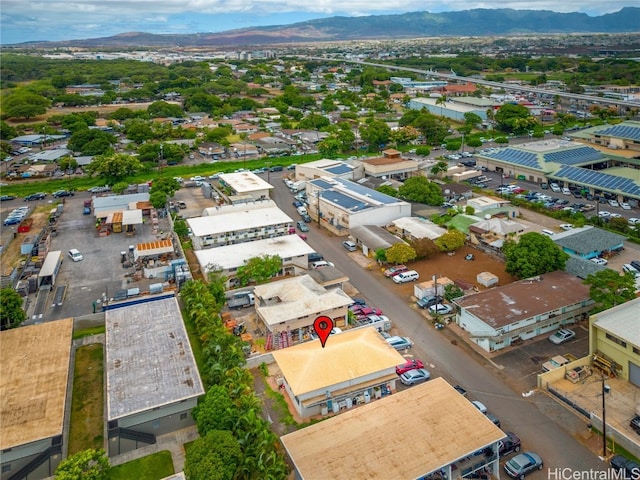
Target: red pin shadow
323, 326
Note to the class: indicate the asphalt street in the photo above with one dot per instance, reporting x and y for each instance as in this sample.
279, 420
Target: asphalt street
532, 418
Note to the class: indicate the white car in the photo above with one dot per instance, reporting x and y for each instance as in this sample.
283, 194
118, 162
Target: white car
615, 215
633, 221
613, 203
554, 187
566, 191
599, 261
604, 214
625, 206
566, 226
440, 309
75, 255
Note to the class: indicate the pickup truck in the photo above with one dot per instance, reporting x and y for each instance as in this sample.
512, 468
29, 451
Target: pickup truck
241, 300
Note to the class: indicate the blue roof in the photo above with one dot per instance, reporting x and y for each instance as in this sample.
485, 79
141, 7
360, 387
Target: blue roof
621, 131
339, 169
321, 183
597, 179
345, 201
519, 157
574, 156
366, 191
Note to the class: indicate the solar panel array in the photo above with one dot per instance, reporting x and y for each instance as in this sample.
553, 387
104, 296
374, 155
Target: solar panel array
367, 192
621, 131
345, 201
574, 156
583, 176
519, 157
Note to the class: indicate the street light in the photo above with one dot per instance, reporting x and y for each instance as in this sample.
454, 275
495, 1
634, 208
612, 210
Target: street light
605, 389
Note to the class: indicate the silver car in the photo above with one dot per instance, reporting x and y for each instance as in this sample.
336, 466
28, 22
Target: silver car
400, 343
561, 336
417, 375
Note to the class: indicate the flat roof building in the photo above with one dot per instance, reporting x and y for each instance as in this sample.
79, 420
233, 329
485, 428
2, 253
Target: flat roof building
292, 249
509, 314
246, 183
350, 370
152, 379
371, 441
245, 222
33, 396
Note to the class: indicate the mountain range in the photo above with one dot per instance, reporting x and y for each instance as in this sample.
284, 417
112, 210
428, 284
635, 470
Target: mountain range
476, 22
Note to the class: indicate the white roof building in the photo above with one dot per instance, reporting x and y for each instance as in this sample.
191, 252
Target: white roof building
238, 223
246, 183
417, 228
294, 303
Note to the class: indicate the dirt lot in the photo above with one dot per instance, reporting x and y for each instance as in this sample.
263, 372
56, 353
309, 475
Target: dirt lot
455, 267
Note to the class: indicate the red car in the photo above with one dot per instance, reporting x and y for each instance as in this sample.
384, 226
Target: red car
409, 365
395, 270
363, 310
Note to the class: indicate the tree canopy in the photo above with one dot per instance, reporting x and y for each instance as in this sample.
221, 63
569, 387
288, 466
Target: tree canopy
534, 254
11, 312
216, 456
88, 464
400, 253
608, 288
114, 167
259, 269
450, 241
420, 189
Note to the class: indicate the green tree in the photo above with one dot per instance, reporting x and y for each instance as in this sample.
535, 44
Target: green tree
607, 288
67, 163
88, 464
534, 254
469, 210
168, 185
216, 411
450, 241
12, 313
387, 190
181, 228
420, 189
472, 120
138, 130
91, 141
114, 167
452, 291
400, 253
514, 118
381, 255
158, 198
164, 109
474, 142
119, 187
216, 456
259, 269
376, 133
7, 132
329, 147
24, 105
439, 167
425, 248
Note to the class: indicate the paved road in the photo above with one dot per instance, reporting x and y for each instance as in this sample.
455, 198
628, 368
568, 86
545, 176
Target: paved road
517, 413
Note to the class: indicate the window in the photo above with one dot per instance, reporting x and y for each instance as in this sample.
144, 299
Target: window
183, 416
636, 350
622, 343
6, 468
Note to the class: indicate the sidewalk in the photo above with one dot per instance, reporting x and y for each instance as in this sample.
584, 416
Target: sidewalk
173, 442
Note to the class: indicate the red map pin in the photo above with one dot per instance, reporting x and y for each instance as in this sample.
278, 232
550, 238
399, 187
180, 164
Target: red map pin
323, 326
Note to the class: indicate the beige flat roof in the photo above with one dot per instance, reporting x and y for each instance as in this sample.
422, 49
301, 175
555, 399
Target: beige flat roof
347, 356
33, 383
374, 440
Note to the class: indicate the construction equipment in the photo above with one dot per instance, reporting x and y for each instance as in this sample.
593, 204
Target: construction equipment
607, 366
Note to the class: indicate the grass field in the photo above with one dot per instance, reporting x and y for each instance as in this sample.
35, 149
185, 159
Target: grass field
152, 467
87, 401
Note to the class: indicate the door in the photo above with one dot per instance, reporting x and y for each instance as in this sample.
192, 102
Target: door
634, 374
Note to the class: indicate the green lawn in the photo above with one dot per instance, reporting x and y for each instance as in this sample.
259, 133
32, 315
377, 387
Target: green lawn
152, 467
86, 428
87, 332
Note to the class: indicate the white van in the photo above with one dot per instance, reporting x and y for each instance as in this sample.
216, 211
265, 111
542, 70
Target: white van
408, 276
302, 211
548, 232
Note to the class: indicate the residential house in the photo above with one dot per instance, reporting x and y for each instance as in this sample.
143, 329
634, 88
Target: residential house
589, 242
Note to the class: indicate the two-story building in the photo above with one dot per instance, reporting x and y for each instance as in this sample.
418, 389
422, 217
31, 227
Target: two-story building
246, 184
507, 315
353, 368
238, 223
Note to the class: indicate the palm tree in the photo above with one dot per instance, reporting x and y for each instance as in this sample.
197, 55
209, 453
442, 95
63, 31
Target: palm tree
441, 100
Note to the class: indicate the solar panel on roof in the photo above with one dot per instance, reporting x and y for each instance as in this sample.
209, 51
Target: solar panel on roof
583, 176
622, 131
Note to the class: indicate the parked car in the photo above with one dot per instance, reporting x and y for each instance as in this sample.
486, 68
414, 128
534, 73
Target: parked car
599, 261
622, 464
426, 302
625, 206
302, 226
62, 193
440, 309
522, 464
493, 418
480, 406
408, 276
417, 375
6, 198
395, 270
35, 196
11, 221
509, 445
635, 424
349, 245
562, 335
409, 365
86, 211
298, 204
400, 343
364, 311
613, 203
322, 263
306, 218
75, 255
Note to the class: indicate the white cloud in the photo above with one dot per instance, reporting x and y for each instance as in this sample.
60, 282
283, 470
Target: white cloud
52, 20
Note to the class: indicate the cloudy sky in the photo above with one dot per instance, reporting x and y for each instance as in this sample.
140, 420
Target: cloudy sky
31, 20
